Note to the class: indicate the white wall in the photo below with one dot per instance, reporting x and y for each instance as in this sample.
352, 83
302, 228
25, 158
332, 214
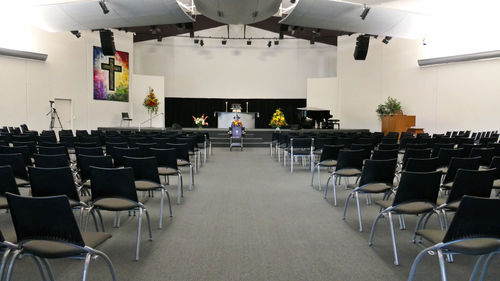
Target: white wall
322, 93
141, 86
235, 70
448, 97
27, 86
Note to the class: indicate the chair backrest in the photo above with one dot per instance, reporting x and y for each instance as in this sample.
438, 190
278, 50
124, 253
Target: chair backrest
53, 150
7, 181
473, 183
16, 161
145, 148
468, 148
163, 140
132, 141
389, 140
91, 139
145, 168
322, 141
52, 182
113, 139
181, 149
69, 141
351, 159
302, 143
165, 157
112, 182
23, 138
495, 164
438, 146
416, 153
190, 141
392, 135
485, 153
365, 146
125, 115
418, 187
416, 146
89, 151
47, 138
120, 152
44, 218
51, 161
378, 171
87, 144
23, 150
445, 155
84, 162
422, 165
330, 152
346, 141
388, 146
379, 154
461, 163
111, 145
474, 219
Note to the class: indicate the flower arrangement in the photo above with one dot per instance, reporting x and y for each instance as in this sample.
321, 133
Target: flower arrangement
151, 102
278, 119
236, 123
201, 121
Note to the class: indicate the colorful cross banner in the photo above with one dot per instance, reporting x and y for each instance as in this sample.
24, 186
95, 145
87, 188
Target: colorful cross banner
111, 76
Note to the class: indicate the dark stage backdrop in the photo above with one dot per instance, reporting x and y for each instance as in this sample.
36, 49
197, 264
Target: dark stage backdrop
181, 110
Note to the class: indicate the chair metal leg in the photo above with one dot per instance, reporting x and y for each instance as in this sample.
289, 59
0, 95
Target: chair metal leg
347, 203
327, 183
138, 242
108, 262
149, 225
359, 212
334, 193
417, 226
477, 266
100, 218
312, 175
486, 265
402, 223
416, 262
11, 266
441, 265
5, 255
191, 176
291, 161
393, 235
372, 233
160, 224
319, 177
50, 274
179, 187
86, 266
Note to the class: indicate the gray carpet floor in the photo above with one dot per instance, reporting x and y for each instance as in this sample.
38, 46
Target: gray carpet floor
248, 218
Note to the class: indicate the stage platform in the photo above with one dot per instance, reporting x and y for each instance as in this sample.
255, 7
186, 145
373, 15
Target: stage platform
220, 137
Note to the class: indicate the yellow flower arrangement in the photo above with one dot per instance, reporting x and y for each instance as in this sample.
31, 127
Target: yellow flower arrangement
278, 119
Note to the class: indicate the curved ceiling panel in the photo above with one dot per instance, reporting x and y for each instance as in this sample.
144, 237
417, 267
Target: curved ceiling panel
86, 15
237, 11
345, 16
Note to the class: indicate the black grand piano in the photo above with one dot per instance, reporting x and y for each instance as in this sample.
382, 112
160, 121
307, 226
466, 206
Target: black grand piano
316, 117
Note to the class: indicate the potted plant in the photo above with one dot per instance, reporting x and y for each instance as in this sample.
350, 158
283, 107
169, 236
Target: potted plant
278, 120
390, 107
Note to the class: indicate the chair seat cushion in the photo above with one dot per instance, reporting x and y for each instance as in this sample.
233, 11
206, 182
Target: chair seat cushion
56, 249
348, 172
328, 163
3, 203
479, 246
21, 182
496, 184
447, 185
451, 206
411, 208
444, 170
115, 204
182, 162
146, 185
375, 188
166, 171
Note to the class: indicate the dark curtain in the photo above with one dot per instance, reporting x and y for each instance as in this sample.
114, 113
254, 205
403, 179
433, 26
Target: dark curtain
181, 110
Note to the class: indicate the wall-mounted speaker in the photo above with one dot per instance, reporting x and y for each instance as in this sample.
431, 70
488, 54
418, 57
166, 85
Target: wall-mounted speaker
107, 42
362, 43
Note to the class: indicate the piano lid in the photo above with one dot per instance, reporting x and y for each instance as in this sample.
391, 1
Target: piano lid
312, 109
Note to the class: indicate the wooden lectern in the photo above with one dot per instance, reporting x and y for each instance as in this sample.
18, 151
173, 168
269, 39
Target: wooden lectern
397, 123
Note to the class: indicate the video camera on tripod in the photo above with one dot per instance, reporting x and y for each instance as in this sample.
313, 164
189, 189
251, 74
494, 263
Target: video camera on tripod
53, 116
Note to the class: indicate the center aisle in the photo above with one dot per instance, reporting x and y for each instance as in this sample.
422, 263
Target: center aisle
248, 218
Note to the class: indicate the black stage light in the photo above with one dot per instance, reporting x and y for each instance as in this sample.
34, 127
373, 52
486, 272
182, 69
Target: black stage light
269, 44
196, 41
201, 43
276, 42
365, 12
224, 41
387, 39
104, 8
249, 42
76, 33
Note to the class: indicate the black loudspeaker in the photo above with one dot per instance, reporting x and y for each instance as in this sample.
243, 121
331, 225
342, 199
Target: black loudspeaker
362, 43
107, 43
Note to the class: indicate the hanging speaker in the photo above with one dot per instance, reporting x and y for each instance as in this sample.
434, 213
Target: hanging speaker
107, 43
362, 43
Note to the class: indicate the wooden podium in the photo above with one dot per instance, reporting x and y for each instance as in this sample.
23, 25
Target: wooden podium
397, 123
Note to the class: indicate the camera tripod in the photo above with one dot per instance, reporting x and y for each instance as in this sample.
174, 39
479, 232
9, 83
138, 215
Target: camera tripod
53, 116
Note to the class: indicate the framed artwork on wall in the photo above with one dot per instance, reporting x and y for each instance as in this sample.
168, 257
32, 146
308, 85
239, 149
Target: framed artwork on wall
111, 76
